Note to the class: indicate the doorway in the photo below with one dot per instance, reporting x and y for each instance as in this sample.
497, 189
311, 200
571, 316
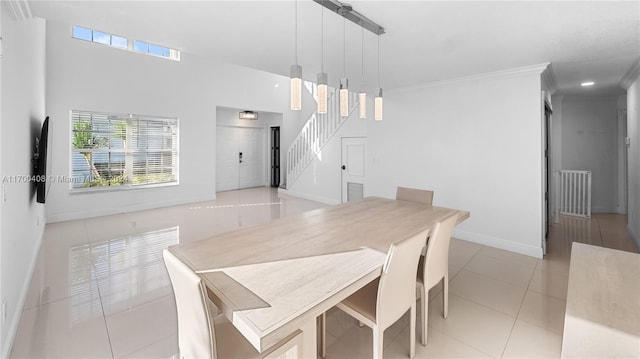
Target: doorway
623, 163
353, 168
546, 165
240, 157
275, 156
547, 139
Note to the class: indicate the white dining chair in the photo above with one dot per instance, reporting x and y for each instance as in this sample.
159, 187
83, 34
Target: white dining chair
414, 195
433, 268
383, 301
200, 335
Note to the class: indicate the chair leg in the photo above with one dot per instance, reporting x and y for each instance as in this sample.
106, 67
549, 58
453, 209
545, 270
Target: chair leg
323, 335
445, 295
412, 331
424, 316
378, 341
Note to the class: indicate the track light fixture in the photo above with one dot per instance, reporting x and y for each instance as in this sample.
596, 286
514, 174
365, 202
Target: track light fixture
346, 11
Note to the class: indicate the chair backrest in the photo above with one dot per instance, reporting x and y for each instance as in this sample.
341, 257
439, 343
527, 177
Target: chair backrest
397, 288
414, 195
196, 336
436, 261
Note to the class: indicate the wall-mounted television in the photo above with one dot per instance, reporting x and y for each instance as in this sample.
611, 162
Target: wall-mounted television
40, 162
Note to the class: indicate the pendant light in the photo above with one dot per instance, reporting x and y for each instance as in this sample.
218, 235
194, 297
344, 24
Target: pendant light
344, 82
377, 109
362, 96
296, 72
322, 76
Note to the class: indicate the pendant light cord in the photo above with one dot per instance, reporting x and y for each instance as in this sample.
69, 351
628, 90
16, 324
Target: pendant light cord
362, 64
296, 32
321, 39
344, 47
378, 61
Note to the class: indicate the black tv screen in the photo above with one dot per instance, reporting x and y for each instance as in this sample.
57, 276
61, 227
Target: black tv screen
40, 162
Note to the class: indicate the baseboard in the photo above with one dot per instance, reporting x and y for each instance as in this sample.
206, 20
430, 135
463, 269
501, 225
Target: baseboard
70, 216
600, 209
499, 243
310, 197
13, 327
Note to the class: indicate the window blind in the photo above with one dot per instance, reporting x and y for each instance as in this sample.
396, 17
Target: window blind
123, 151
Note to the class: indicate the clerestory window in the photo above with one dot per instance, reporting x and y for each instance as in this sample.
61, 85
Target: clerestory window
101, 37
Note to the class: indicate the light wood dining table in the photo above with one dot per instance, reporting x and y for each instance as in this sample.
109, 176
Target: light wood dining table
274, 278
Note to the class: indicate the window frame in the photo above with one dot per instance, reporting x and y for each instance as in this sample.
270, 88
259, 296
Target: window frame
126, 186
168, 53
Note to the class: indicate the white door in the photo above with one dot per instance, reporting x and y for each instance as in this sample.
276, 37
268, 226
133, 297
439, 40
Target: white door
240, 156
227, 163
251, 146
353, 168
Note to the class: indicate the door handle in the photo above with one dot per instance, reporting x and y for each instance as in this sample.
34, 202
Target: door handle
240, 156
344, 167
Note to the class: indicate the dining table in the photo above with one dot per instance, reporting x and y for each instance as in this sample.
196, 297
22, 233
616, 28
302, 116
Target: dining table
274, 278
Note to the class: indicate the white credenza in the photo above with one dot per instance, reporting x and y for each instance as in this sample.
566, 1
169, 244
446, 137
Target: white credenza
602, 319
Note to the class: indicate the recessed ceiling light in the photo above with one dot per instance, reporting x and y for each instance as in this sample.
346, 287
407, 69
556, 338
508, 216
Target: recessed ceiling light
588, 83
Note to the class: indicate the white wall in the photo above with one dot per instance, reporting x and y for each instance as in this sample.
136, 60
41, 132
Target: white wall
477, 144
88, 76
589, 139
633, 132
23, 110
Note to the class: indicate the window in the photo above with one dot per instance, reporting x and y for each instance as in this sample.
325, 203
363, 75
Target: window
100, 37
111, 151
156, 50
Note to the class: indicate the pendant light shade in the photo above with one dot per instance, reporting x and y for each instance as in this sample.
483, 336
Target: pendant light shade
344, 82
344, 97
362, 101
296, 87
322, 92
296, 73
377, 102
377, 110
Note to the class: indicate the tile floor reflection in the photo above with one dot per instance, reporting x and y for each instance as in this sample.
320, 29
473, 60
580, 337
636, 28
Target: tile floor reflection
100, 289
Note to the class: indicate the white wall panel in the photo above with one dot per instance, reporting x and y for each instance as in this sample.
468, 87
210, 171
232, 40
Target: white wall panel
477, 144
23, 111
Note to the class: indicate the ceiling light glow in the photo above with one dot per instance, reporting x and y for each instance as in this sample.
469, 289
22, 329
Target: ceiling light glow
588, 83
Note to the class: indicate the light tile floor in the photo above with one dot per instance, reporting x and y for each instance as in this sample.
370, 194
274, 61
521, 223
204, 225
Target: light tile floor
100, 289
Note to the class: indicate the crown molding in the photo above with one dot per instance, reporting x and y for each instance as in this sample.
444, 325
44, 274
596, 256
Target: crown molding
518, 71
19, 10
631, 75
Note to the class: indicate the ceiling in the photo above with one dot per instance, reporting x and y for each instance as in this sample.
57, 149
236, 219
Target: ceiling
425, 41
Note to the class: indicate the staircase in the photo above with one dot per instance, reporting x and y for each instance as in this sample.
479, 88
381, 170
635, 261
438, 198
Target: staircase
315, 134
